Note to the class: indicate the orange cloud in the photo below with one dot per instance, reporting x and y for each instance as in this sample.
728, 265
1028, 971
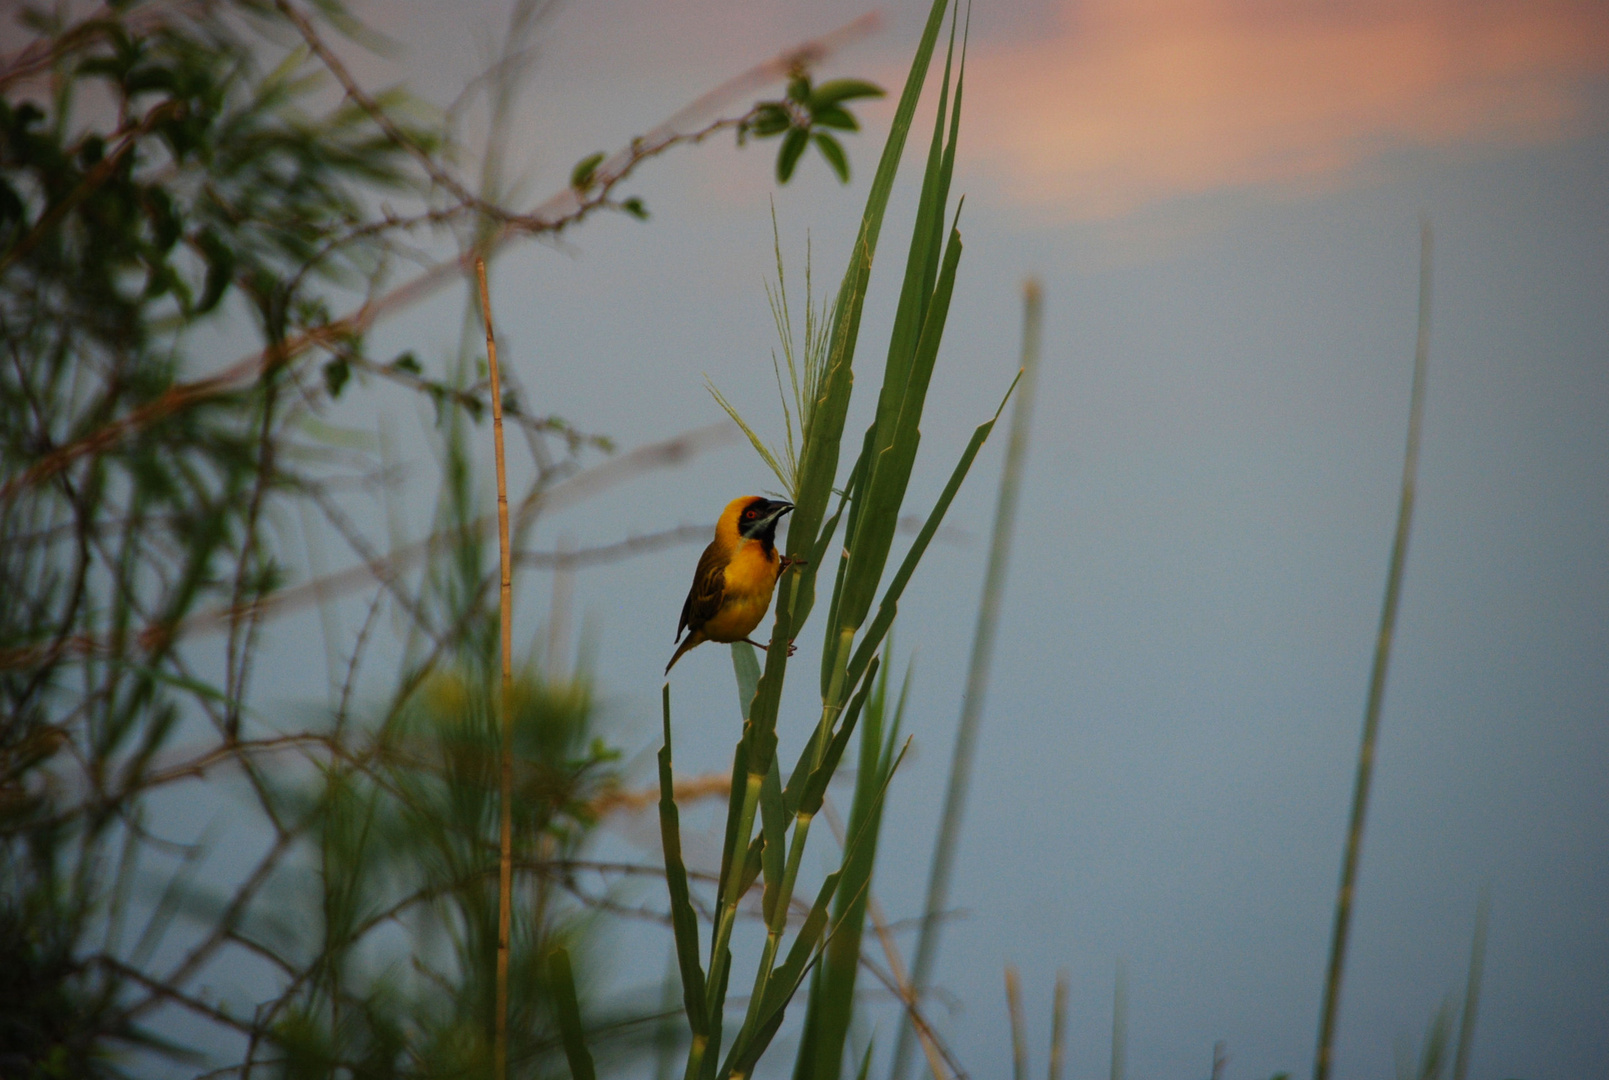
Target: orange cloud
1136, 100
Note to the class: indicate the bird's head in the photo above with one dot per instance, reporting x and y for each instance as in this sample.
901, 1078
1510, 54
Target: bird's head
756, 518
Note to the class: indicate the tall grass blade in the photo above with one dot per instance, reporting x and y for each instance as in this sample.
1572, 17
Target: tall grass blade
947, 840
683, 919
1377, 678
830, 1008
819, 466
894, 456
746, 666
802, 956
1472, 991
889, 608
913, 345
568, 1011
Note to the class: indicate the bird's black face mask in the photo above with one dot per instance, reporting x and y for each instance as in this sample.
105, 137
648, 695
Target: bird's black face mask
760, 518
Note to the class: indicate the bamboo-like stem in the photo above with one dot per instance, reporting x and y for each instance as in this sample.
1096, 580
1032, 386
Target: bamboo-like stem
726, 916
505, 604
1019, 1026
994, 582
1377, 679
777, 925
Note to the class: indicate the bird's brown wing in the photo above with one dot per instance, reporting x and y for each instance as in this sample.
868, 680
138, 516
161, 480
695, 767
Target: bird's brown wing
704, 598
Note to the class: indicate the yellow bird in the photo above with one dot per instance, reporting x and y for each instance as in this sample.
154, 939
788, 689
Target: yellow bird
736, 576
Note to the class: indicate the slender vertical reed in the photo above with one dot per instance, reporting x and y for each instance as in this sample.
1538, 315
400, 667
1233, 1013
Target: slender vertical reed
1377, 680
994, 582
1058, 1028
1472, 992
1120, 1022
1019, 1026
505, 606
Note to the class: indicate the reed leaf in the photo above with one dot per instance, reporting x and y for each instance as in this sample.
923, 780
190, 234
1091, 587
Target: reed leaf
568, 1011
806, 950
830, 1007
889, 607
684, 921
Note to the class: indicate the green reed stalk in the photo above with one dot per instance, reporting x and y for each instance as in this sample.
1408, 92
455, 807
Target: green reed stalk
1472, 991
873, 497
983, 639
1377, 679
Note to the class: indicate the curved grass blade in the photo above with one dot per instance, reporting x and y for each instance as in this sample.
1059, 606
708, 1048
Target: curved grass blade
896, 588
1377, 678
802, 956
569, 1015
684, 921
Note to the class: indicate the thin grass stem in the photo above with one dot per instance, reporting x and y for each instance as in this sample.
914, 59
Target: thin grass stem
1120, 1022
1019, 1026
1058, 1028
505, 604
1377, 679
1472, 991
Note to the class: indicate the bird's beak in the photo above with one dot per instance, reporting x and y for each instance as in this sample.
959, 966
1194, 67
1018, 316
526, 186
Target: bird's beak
766, 525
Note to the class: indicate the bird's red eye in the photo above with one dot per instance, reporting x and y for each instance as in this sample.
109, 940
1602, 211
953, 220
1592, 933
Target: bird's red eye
749, 514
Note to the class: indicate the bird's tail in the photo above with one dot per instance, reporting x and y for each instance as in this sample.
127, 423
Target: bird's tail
690, 641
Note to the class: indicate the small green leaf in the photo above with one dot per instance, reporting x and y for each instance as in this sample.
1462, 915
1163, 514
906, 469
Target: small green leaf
771, 119
407, 362
636, 208
834, 116
839, 90
220, 269
793, 145
336, 373
581, 175
834, 154
799, 88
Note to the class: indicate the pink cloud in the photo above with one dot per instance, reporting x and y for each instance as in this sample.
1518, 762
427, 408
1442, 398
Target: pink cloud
1130, 101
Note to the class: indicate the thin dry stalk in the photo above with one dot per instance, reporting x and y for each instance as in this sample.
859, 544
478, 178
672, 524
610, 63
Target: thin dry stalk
1019, 1026
948, 840
1058, 1028
1377, 680
505, 605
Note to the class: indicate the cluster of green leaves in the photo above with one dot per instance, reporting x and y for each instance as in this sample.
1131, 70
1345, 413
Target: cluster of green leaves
808, 114
149, 173
405, 833
869, 504
154, 178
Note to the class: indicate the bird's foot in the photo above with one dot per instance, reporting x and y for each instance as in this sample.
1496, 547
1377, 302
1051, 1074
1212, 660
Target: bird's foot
792, 648
788, 561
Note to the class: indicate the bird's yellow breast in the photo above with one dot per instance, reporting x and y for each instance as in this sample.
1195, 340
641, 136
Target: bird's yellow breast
751, 578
